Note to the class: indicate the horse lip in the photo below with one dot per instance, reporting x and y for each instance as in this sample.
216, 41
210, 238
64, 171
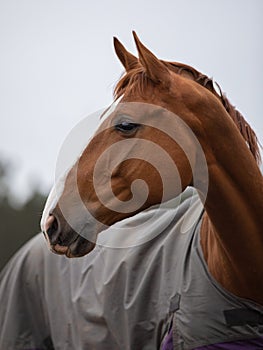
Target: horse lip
59, 249
77, 248
62, 249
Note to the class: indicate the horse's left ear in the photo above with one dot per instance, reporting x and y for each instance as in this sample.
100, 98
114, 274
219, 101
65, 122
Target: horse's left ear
155, 69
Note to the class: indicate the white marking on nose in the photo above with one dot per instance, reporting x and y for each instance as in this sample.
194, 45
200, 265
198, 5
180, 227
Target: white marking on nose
52, 201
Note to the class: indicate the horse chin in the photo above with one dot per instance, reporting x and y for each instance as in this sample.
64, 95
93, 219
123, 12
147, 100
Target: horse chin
78, 248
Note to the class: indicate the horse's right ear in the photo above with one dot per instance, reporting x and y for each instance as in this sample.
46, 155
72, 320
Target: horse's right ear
127, 59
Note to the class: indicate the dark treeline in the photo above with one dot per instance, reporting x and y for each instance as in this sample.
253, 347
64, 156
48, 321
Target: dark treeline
17, 223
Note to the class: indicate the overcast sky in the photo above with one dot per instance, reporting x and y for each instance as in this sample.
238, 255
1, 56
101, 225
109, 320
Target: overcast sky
57, 64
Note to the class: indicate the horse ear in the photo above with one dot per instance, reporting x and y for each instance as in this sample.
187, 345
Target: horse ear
155, 69
127, 59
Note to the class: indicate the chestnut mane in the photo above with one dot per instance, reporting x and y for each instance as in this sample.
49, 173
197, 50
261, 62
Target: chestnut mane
136, 80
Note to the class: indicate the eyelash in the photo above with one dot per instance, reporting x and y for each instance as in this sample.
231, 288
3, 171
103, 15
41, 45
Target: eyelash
127, 127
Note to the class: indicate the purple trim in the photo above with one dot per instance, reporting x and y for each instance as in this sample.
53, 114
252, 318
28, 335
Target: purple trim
248, 344
168, 342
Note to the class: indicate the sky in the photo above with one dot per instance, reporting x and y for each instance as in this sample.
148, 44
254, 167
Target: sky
57, 66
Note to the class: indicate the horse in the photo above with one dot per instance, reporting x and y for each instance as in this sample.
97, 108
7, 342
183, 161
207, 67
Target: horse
170, 128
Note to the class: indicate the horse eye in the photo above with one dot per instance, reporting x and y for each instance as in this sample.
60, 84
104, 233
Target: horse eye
127, 127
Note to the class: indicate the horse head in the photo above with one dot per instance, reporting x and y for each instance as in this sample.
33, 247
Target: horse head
151, 145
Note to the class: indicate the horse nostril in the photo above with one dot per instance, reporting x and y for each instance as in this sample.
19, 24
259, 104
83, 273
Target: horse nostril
51, 226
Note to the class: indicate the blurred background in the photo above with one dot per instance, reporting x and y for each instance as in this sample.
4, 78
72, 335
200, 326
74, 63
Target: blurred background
57, 65
18, 221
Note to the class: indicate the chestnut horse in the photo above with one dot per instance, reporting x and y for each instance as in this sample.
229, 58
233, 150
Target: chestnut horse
167, 110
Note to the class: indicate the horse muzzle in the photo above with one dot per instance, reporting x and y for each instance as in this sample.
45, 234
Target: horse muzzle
63, 240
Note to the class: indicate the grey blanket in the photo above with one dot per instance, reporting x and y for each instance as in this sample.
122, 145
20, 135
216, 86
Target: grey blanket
123, 295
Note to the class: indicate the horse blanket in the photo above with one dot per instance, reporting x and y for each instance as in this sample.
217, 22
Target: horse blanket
145, 286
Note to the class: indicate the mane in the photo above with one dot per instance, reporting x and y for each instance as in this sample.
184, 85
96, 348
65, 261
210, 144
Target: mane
136, 80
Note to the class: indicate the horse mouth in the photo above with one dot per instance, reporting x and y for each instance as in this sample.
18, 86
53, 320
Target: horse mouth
78, 248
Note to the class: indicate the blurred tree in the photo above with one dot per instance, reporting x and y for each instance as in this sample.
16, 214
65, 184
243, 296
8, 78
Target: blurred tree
17, 225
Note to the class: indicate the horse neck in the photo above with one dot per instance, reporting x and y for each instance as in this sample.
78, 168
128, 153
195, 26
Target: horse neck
232, 228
